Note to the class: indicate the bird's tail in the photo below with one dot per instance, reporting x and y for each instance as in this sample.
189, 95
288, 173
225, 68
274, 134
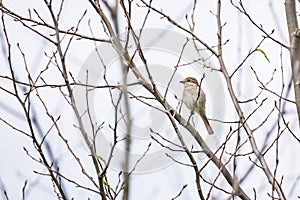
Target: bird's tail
207, 125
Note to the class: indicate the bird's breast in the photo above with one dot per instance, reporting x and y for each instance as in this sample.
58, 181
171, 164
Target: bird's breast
189, 99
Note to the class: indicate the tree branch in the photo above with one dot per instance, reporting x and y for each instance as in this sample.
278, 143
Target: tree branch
294, 33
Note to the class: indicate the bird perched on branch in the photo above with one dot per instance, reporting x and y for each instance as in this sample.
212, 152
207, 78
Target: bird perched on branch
194, 98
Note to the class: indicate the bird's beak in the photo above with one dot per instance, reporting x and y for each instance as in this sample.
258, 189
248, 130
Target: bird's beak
182, 81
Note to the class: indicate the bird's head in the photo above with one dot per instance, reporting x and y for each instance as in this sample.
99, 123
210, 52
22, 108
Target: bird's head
189, 81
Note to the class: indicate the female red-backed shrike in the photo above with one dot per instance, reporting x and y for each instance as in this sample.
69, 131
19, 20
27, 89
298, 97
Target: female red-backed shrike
194, 98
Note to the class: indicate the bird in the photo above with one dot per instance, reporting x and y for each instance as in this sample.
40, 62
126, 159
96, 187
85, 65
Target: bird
194, 98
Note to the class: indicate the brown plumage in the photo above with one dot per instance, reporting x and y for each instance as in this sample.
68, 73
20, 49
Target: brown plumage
194, 98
